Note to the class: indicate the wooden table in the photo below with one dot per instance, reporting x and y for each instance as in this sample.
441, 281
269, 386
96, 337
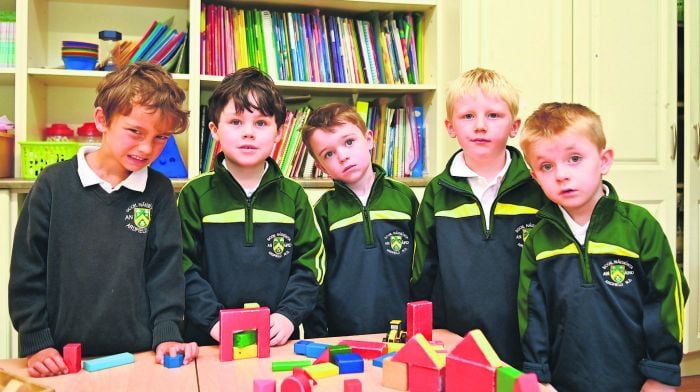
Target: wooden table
209, 374
239, 375
142, 375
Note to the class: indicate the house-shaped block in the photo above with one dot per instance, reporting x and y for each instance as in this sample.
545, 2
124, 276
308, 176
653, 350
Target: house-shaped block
472, 362
426, 368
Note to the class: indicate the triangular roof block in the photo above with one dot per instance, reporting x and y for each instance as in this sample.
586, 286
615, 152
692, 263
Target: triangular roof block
476, 348
418, 351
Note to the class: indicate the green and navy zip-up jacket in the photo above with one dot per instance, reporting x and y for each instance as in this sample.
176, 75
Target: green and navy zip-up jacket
237, 249
471, 273
606, 315
369, 250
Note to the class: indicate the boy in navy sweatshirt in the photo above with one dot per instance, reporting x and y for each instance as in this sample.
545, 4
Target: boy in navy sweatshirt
121, 288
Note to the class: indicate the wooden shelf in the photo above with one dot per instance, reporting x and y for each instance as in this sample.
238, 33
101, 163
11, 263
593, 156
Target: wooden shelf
75, 78
7, 76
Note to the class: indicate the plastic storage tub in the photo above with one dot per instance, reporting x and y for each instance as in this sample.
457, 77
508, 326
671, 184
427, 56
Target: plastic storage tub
37, 155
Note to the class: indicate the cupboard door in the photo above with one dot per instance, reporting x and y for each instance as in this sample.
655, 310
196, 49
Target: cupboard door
529, 43
624, 68
691, 178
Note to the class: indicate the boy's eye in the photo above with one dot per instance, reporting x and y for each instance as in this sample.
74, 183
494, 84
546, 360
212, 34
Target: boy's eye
493, 115
546, 167
575, 158
261, 123
328, 154
235, 121
349, 142
163, 138
469, 116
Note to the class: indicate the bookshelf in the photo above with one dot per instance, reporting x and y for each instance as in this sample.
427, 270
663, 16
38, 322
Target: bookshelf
42, 92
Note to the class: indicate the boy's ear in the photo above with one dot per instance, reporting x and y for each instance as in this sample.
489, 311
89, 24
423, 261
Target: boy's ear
450, 129
370, 139
100, 119
214, 131
516, 128
319, 167
279, 135
606, 160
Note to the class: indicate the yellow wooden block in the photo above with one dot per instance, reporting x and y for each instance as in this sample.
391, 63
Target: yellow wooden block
322, 370
245, 352
391, 347
251, 305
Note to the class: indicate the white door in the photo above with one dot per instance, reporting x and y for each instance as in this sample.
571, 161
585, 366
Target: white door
691, 178
624, 68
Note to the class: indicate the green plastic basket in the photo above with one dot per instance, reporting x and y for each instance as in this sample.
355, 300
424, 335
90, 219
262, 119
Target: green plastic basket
37, 155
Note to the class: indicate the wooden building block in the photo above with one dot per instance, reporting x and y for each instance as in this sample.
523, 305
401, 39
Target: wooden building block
322, 370
264, 385
506, 377
72, 356
245, 352
395, 375
110, 361
234, 320
352, 385
282, 366
419, 319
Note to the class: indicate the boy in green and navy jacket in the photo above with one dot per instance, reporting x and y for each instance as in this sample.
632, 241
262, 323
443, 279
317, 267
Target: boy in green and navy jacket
601, 297
471, 222
366, 222
249, 233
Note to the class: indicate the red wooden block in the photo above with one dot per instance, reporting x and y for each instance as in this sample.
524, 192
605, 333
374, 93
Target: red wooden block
419, 319
352, 385
233, 320
460, 372
295, 384
73, 357
413, 353
264, 385
527, 383
367, 350
324, 357
423, 379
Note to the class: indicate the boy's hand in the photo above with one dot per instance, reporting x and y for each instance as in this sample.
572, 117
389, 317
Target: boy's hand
656, 386
214, 333
280, 329
191, 350
547, 388
45, 363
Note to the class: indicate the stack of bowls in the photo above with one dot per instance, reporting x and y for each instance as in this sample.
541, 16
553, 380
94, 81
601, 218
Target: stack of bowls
79, 55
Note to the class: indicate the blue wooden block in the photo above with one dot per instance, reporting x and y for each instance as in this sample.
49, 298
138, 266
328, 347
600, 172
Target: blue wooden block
350, 363
173, 362
379, 361
300, 347
314, 350
110, 361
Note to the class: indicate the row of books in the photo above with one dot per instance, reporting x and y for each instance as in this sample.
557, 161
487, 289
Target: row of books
399, 140
313, 46
7, 39
161, 44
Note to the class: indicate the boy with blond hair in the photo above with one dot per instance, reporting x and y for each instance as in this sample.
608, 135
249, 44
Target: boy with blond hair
474, 216
601, 297
249, 233
122, 289
366, 222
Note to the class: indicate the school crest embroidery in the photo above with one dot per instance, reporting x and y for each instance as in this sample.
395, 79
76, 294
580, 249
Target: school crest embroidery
279, 245
138, 217
618, 273
142, 217
396, 242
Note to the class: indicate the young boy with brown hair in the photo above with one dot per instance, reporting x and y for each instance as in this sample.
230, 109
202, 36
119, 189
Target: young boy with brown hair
249, 233
366, 222
474, 215
601, 297
122, 288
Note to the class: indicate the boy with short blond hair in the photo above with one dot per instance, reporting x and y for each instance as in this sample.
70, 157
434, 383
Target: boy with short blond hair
249, 233
366, 222
601, 297
122, 289
474, 216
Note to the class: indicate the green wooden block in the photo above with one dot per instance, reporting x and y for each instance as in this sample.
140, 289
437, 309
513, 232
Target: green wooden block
281, 366
505, 378
339, 349
245, 338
